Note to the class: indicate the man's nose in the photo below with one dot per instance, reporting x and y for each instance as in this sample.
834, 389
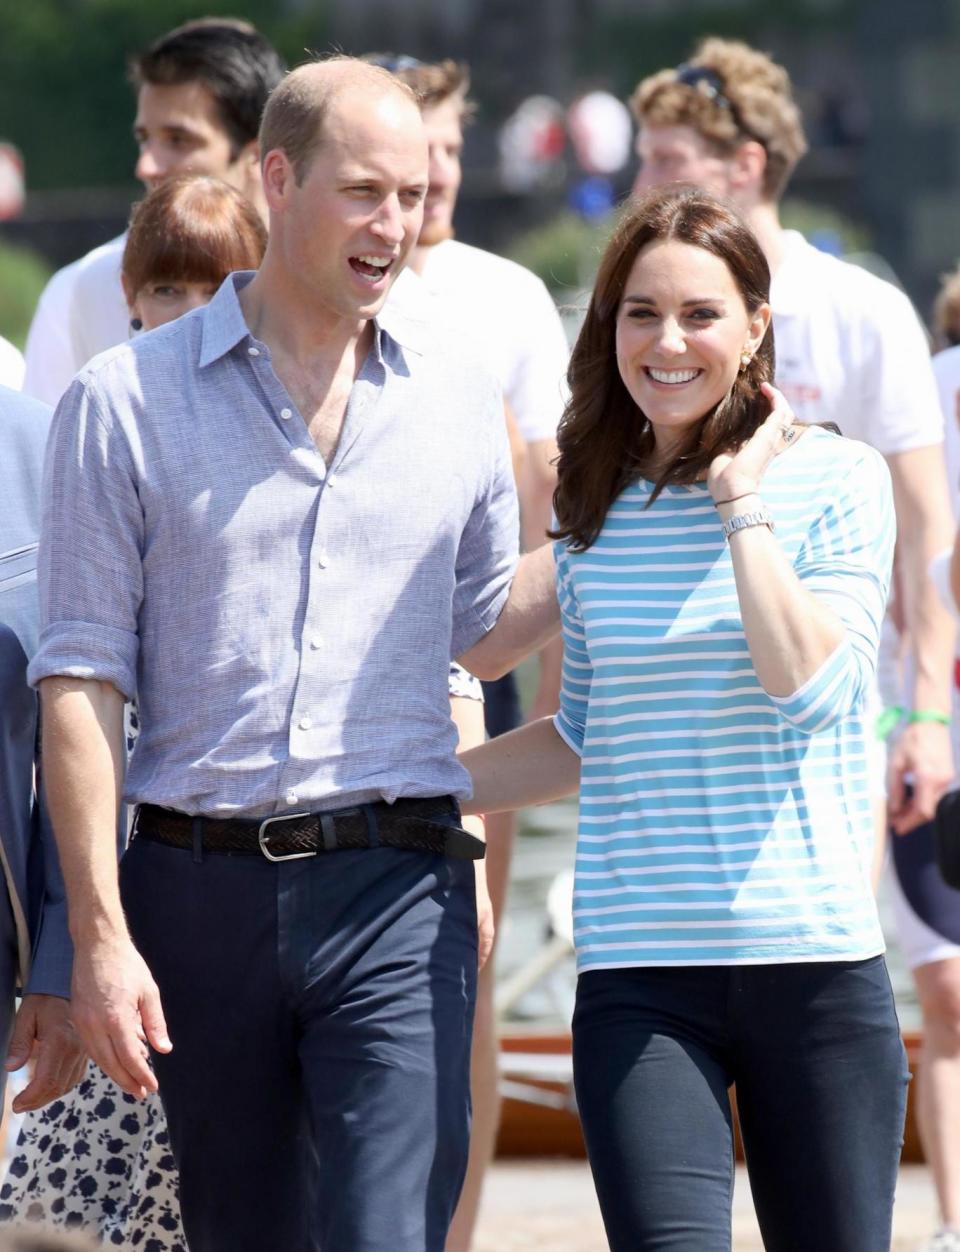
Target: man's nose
642, 181
388, 223
148, 168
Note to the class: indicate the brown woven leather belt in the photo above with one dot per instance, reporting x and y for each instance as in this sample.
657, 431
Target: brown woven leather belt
407, 823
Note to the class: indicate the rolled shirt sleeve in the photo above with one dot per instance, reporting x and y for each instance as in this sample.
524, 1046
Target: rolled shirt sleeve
489, 546
91, 547
845, 561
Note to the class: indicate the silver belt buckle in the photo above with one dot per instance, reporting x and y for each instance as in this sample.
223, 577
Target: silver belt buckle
262, 837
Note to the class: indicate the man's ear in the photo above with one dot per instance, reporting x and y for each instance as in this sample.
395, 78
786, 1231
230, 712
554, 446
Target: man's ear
747, 167
278, 178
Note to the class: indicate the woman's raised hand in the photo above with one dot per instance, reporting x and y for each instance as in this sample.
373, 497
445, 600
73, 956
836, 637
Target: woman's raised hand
735, 474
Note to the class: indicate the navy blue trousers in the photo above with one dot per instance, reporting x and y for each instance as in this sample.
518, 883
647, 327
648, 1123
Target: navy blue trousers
321, 1013
821, 1079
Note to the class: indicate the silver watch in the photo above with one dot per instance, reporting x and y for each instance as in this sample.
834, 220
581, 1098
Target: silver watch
741, 521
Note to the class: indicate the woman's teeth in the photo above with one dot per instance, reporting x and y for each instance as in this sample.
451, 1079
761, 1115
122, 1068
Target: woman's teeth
673, 376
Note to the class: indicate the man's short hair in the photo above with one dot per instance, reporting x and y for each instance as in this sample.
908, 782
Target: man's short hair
433, 83
729, 93
294, 117
236, 64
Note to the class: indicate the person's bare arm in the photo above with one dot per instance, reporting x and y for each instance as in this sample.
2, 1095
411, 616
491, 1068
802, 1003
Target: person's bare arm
530, 765
467, 716
115, 1002
529, 619
536, 486
924, 525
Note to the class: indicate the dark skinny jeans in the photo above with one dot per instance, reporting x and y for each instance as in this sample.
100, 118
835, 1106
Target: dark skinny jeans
821, 1080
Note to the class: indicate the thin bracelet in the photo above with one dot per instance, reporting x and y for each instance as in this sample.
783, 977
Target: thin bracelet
930, 715
733, 499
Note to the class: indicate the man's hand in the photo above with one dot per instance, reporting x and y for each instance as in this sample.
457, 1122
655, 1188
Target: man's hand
116, 1010
485, 922
43, 1033
923, 753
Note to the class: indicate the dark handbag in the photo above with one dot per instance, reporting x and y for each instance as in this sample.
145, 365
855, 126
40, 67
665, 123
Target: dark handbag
946, 824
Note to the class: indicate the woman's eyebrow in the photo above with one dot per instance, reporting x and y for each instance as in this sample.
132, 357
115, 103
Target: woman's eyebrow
696, 300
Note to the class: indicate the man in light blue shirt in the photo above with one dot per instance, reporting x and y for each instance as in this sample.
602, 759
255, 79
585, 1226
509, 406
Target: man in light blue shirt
275, 521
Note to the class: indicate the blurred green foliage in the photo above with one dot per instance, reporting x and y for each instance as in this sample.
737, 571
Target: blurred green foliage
565, 252
23, 275
81, 47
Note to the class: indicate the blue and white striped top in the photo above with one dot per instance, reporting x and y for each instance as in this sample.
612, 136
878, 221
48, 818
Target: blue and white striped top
720, 825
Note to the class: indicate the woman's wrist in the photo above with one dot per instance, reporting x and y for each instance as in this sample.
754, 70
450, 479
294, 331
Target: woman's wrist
746, 502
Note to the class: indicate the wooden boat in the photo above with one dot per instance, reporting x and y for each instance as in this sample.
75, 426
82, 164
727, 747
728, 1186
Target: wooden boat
539, 1116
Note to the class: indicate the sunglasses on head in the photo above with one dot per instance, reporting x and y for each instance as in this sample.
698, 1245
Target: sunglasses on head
709, 83
393, 62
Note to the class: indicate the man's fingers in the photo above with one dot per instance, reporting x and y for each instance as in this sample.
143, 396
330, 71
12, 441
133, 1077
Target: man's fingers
43, 1086
152, 1019
21, 1041
122, 1059
131, 1073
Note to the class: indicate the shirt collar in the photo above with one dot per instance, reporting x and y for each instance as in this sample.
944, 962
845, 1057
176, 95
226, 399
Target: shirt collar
223, 323
401, 324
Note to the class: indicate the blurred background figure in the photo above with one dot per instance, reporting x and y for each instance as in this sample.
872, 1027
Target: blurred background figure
507, 317
946, 311
35, 948
200, 94
12, 366
183, 240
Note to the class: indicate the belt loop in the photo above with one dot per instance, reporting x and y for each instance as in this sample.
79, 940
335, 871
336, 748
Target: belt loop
198, 841
373, 834
328, 831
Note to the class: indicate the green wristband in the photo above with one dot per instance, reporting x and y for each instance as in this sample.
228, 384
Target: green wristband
887, 721
929, 715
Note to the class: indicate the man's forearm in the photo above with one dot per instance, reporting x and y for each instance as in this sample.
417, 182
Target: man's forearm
83, 770
529, 619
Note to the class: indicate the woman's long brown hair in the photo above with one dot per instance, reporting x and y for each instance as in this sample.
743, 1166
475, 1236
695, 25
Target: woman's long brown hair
605, 440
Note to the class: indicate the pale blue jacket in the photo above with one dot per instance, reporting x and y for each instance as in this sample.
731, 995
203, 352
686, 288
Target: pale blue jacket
27, 849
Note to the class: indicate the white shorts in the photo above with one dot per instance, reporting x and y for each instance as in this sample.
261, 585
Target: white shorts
920, 943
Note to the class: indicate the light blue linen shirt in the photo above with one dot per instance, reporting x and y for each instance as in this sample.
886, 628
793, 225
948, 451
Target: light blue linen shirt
285, 626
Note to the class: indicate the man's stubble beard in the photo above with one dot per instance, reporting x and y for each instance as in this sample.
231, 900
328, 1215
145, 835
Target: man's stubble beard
434, 233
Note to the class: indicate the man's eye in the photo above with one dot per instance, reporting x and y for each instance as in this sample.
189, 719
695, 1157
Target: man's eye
164, 291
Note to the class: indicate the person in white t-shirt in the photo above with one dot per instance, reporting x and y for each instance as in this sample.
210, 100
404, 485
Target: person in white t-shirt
508, 310
11, 366
850, 350
200, 92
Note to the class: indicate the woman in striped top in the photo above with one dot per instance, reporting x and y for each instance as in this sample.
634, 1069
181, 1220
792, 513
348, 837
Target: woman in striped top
722, 574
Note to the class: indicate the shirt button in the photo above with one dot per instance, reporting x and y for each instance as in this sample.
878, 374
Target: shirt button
286, 414
306, 723
291, 797
316, 642
254, 351
323, 560
331, 479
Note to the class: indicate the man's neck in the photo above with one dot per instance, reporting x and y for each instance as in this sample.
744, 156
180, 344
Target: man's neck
282, 315
764, 220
